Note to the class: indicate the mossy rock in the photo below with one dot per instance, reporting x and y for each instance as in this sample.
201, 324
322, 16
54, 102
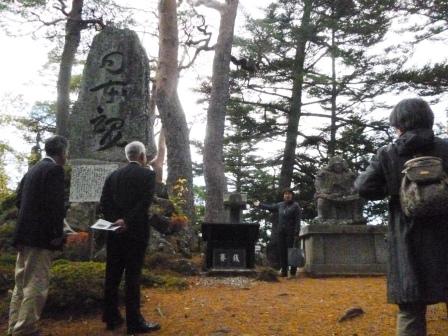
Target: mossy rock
164, 261
6, 234
7, 270
158, 260
267, 274
8, 203
163, 281
78, 286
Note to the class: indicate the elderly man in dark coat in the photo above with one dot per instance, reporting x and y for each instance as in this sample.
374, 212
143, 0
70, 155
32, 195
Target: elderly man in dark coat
38, 234
418, 247
125, 200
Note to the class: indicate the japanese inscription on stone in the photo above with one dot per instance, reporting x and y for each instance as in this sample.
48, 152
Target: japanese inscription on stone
110, 93
229, 258
87, 182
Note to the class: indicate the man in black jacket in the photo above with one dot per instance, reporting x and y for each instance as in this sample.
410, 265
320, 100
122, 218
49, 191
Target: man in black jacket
38, 233
288, 226
417, 273
125, 200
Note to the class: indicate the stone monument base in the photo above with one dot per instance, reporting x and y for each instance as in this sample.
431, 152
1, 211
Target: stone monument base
344, 249
229, 272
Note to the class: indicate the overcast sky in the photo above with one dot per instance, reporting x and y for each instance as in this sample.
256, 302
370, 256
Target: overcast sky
22, 60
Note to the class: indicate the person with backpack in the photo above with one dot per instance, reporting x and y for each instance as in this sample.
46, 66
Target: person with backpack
417, 238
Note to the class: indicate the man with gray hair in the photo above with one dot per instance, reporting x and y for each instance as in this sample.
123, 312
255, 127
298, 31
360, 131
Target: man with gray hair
38, 233
126, 197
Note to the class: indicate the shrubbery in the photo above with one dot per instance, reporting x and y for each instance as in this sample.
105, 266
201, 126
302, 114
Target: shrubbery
77, 287
7, 267
6, 233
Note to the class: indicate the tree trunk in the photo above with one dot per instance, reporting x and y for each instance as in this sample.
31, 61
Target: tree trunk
333, 128
158, 162
168, 103
215, 181
73, 29
289, 152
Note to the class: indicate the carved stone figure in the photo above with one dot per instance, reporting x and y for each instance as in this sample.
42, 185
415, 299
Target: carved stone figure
337, 202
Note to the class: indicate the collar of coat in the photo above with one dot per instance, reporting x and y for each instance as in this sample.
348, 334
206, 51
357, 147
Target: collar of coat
415, 141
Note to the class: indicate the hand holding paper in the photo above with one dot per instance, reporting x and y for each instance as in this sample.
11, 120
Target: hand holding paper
102, 224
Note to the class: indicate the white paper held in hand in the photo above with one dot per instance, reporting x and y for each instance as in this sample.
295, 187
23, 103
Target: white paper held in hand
102, 224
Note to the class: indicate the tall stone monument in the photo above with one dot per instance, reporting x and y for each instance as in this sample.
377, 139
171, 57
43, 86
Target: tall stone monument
338, 242
112, 110
113, 105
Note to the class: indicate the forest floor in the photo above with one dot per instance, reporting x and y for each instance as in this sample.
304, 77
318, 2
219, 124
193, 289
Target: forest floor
241, 306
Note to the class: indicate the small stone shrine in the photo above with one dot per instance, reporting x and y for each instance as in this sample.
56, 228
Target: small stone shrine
338, 242
231, 245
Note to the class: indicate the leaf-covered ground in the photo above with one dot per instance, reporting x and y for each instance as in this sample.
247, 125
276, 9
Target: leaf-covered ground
238, 306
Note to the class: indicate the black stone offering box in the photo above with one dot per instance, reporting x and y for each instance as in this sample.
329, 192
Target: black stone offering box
230, 246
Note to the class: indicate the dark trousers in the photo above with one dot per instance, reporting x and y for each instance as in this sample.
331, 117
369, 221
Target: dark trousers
285, 240
123, 255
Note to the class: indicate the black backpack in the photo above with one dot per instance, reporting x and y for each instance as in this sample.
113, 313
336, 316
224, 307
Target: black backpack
424, 188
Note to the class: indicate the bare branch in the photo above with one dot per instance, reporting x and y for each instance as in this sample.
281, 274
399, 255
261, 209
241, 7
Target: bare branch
196, 53
219, 6
63, 8
205, 42
47, 23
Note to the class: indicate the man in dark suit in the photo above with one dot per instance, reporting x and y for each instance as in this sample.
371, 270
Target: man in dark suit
38, 233
126, 197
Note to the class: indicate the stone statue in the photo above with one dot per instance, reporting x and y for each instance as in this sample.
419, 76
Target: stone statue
337, 202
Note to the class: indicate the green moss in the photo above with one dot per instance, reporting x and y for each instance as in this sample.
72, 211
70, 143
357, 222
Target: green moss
7, 268
75, 285
8, 202
164, 281
79, 286
6, 234
267, 274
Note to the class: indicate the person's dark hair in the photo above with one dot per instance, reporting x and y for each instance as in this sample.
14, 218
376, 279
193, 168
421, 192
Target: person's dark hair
411, 114
56, 145
288, 190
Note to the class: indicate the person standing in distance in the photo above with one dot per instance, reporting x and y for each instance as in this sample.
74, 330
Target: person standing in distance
38, 233
125, 200
288, 226
417, 273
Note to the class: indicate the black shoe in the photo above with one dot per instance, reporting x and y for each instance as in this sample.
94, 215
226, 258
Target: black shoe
143, 327
114, 324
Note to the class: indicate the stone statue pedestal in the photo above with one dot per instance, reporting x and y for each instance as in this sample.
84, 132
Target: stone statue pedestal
344, 249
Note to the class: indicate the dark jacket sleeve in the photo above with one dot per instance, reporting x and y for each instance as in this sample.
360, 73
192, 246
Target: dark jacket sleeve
55, 200
148, 193
371, 184
107, 205
270, 207
298, 217
19, 192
